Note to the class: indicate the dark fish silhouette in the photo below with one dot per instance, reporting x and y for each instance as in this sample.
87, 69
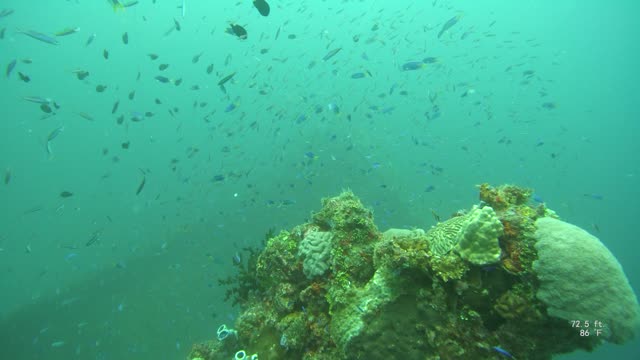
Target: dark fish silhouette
262, 6
237, 30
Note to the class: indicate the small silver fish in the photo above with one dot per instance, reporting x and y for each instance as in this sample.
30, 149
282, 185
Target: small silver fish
90, 39
37, 99
331, 54
40, 36
52, 135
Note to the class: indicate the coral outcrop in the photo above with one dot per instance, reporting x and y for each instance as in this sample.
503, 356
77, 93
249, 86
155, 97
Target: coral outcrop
500, 280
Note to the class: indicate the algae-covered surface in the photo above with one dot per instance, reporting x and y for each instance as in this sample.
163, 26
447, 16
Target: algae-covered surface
401, 293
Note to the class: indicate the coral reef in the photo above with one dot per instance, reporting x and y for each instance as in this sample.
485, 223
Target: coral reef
337, 288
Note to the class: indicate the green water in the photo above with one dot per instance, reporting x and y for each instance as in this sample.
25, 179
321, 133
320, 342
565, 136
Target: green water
535, 93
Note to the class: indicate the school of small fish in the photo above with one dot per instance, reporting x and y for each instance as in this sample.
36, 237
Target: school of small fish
245, 85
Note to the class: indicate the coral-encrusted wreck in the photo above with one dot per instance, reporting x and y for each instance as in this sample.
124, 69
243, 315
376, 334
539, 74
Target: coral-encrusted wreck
337, 288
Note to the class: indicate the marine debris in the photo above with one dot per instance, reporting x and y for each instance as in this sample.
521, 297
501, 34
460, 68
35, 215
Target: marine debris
477, 286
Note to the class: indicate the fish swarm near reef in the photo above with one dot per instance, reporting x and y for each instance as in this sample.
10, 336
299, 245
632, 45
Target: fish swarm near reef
480, 285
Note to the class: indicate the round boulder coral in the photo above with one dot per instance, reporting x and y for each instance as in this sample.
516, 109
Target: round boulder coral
581, 280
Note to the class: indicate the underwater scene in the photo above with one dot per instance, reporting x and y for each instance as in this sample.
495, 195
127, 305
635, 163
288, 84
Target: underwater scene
319, 179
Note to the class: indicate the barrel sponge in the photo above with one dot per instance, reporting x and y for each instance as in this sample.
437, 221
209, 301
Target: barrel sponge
478, 239
315, 249
581, 280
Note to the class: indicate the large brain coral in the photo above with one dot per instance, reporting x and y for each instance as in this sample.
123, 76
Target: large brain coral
581, 280
315, 248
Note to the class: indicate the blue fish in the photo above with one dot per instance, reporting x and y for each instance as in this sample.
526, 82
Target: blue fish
594, 196
361, 75
413, 65
301, 118
39, 36
537, 198
502, 351
230, 107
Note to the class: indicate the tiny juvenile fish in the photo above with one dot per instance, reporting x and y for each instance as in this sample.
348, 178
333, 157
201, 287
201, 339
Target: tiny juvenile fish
594, 196
95, 236
90, 39
24, 77
162, 79
331, 54
226, 78
85, 116
141, 186
361, 75
81, 74
52, 135
11, 66
449, 24
115, 107
196, 58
